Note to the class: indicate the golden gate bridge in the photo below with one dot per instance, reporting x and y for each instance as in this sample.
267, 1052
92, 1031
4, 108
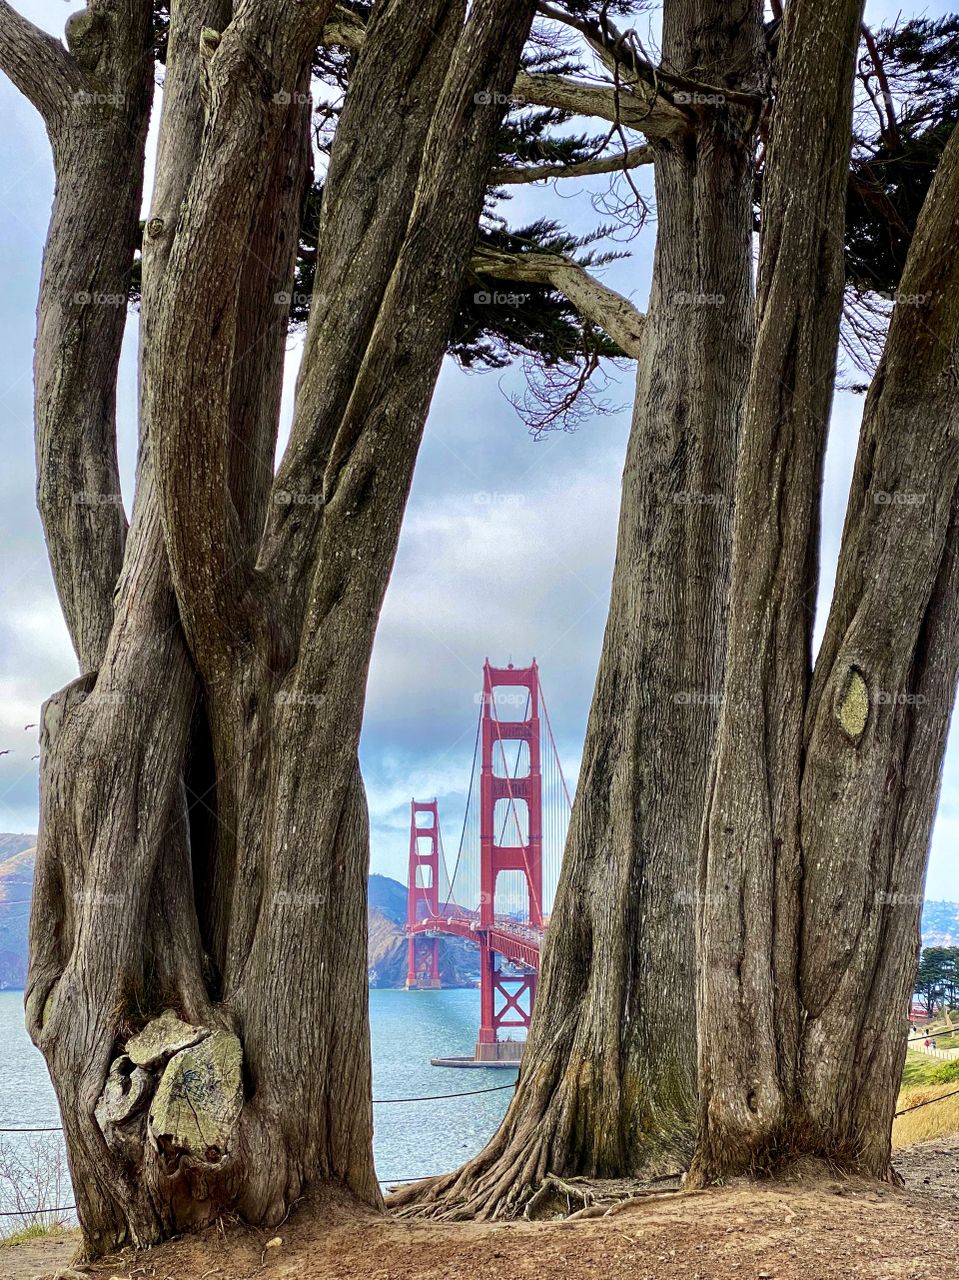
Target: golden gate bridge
500, 892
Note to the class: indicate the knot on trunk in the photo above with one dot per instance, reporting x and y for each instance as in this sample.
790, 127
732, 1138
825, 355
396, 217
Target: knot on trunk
191, 1079
853, 706
124, 1095
198, 1100
86, 34
162, 1038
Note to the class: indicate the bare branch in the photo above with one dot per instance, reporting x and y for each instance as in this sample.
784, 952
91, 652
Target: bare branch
630, 159
594, 300
618, 53
39, 66
887, 116
641, 106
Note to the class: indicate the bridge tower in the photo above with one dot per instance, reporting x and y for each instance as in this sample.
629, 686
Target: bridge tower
422, 894
507, 1001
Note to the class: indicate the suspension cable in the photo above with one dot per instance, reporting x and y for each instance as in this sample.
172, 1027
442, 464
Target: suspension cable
466, 812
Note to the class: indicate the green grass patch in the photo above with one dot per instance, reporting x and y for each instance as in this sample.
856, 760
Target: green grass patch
920, 1069
36, 1231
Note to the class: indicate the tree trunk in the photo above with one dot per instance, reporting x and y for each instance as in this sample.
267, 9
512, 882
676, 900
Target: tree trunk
825, 784
607, 1084
878, 712
198, 941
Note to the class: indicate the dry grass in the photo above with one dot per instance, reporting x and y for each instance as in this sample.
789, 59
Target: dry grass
35, 1232
936, 1121
33, 1180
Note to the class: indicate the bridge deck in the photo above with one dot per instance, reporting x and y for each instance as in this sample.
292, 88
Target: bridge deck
518, 943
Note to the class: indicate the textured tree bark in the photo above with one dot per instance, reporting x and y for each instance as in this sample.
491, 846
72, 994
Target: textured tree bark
97, 120
825, 784
198, 942
607, 1086
878, 712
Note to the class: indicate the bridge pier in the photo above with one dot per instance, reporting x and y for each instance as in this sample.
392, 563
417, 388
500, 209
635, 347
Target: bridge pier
423, 977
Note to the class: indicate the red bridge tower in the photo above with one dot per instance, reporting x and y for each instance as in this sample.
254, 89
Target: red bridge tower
422, 894
507, 1001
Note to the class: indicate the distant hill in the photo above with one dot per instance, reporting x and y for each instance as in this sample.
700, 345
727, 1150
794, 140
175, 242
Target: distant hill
388, 896
459, 960
17, 856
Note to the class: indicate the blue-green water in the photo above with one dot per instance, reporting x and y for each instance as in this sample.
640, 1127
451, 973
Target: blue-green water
411, 1140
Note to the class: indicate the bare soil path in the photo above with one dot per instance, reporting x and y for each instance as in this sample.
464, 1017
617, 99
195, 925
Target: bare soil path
802, 1229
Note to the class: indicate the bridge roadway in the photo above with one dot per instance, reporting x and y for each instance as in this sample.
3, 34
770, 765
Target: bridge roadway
518, 943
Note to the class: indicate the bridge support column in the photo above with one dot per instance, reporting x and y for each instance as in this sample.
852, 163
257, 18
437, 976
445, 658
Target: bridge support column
423, 964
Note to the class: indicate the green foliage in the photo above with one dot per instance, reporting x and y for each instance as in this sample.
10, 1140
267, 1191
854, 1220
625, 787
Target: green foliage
919, 1069
894, 160
907, 105
937, 977
36, 1231
496, 320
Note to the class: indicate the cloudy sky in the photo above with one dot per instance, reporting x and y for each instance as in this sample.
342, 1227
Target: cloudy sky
506, 551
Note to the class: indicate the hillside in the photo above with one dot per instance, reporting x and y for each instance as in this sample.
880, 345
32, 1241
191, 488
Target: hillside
388, 896
16, 882
459, 961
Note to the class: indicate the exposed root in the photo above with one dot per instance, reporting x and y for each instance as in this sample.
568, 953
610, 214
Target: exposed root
554, 1197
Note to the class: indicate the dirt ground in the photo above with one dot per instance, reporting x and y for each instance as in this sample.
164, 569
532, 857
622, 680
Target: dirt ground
804, 1229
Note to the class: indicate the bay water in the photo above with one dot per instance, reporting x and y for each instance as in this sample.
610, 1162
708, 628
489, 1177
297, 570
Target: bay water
411, 1139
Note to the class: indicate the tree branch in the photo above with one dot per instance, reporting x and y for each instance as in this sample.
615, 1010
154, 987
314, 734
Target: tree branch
631, 159
641, 105
39, 66
98, 158
249, 74
617, 52
595, 301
